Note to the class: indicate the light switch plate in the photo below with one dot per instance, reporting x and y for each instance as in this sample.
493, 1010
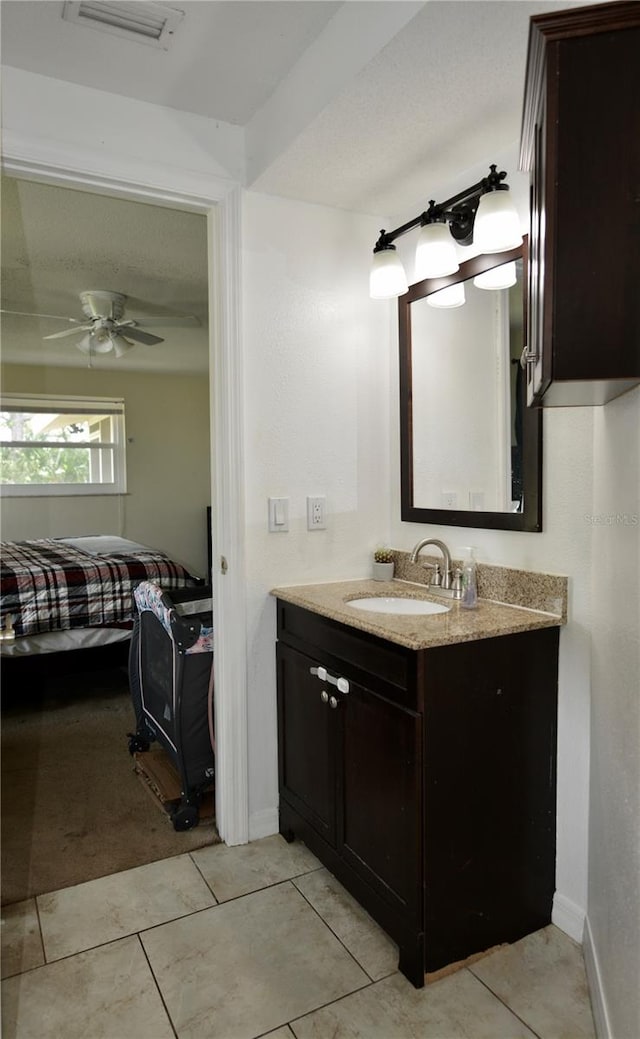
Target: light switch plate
278, 515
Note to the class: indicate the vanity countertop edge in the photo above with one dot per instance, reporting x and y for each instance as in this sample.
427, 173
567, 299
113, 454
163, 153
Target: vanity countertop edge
488, 620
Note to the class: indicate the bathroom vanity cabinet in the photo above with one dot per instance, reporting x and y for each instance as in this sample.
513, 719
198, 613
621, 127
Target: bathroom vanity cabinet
424, 780
581, 144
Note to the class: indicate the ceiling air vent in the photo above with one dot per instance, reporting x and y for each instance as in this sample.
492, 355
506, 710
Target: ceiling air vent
141, 21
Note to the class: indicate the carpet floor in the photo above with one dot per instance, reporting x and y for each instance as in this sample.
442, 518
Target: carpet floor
73, 808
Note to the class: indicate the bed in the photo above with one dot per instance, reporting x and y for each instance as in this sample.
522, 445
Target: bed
73, 593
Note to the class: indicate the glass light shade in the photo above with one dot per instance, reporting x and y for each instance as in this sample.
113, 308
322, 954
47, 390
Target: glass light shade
435, 252
95, 343
497, 224
102, 346
452, 296
387, 278
502, 277
121, 346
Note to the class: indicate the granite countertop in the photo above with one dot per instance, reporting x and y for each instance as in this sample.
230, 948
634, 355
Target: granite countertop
488, 620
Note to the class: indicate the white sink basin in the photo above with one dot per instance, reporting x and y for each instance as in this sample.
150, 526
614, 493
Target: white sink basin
394, 604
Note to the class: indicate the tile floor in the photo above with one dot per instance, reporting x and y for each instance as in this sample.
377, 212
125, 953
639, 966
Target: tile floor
236, 943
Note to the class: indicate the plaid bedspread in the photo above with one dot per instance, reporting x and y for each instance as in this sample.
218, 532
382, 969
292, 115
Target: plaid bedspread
49, 586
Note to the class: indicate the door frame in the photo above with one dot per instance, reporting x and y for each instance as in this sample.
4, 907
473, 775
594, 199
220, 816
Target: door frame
220, 200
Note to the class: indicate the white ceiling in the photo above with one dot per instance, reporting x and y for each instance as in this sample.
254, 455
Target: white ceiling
369, 105
224, 60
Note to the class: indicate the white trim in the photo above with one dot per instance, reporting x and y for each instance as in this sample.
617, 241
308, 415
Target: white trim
568, 916
51, 162
55, 162
229, 619
263, 823
596, 987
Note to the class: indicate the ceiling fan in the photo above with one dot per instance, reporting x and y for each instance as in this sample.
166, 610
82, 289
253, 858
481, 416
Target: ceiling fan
106, 330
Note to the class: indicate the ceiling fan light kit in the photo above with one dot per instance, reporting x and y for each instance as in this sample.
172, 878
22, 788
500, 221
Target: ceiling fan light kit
105, 325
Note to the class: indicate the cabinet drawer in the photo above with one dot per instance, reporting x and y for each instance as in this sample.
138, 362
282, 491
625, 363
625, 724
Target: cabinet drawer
386, 668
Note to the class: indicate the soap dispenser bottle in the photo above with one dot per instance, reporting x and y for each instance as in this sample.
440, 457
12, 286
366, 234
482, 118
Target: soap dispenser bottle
469, 598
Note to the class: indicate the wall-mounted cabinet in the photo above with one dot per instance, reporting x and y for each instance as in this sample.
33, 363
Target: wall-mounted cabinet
581, 144
424, 780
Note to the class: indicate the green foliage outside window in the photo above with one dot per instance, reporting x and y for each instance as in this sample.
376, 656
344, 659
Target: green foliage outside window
40, 463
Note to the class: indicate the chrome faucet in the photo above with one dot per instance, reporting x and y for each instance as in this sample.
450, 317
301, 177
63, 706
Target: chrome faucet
446, 579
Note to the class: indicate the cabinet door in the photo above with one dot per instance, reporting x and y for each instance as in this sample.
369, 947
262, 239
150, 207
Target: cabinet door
490, 739
306, 736
380, 799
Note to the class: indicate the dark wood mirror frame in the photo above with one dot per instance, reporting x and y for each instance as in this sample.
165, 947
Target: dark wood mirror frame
530, 519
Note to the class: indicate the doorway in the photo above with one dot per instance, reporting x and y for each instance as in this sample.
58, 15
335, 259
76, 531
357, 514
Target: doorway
220, 203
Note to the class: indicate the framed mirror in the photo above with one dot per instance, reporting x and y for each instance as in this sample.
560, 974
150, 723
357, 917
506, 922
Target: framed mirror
471, 450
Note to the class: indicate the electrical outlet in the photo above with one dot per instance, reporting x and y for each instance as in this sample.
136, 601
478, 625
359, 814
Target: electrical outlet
316, 513
449, 500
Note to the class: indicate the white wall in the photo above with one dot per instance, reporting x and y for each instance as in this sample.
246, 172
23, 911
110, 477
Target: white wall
614, 838
316, 403
168, 470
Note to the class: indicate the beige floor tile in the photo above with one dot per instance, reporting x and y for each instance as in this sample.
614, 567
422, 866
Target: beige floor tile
368, 943
231, 872
249, 965
280, 1033
542, 978
458, 1007
100, 911
107, 992
21, 941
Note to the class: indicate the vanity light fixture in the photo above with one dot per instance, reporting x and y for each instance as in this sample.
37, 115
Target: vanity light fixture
483, 213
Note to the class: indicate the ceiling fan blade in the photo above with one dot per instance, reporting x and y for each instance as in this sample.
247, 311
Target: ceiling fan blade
69, 332
50, 317
137, 334
97, 303
188, 321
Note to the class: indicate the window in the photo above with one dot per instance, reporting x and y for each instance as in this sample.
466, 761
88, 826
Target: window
50, 445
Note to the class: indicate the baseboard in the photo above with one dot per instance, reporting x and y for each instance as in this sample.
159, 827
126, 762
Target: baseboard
596, 988
568, 916
263, 823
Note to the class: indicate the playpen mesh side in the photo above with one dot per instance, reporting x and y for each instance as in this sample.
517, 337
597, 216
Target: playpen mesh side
157, 675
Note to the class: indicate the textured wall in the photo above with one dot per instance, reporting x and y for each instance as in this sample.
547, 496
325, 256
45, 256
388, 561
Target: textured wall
168, 471
316, 406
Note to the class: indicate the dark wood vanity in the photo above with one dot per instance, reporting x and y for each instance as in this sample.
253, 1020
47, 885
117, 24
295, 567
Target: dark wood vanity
424, 780
581, 144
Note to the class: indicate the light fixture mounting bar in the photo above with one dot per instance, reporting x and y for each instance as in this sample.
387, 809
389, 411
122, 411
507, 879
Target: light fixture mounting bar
444, 211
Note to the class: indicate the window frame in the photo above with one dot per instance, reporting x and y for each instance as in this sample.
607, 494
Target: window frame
54, 403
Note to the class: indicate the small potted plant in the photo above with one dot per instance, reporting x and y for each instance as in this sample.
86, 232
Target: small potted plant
383, 564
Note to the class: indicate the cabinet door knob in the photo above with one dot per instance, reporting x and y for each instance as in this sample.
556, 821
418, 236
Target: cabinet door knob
324, 696
333, 702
